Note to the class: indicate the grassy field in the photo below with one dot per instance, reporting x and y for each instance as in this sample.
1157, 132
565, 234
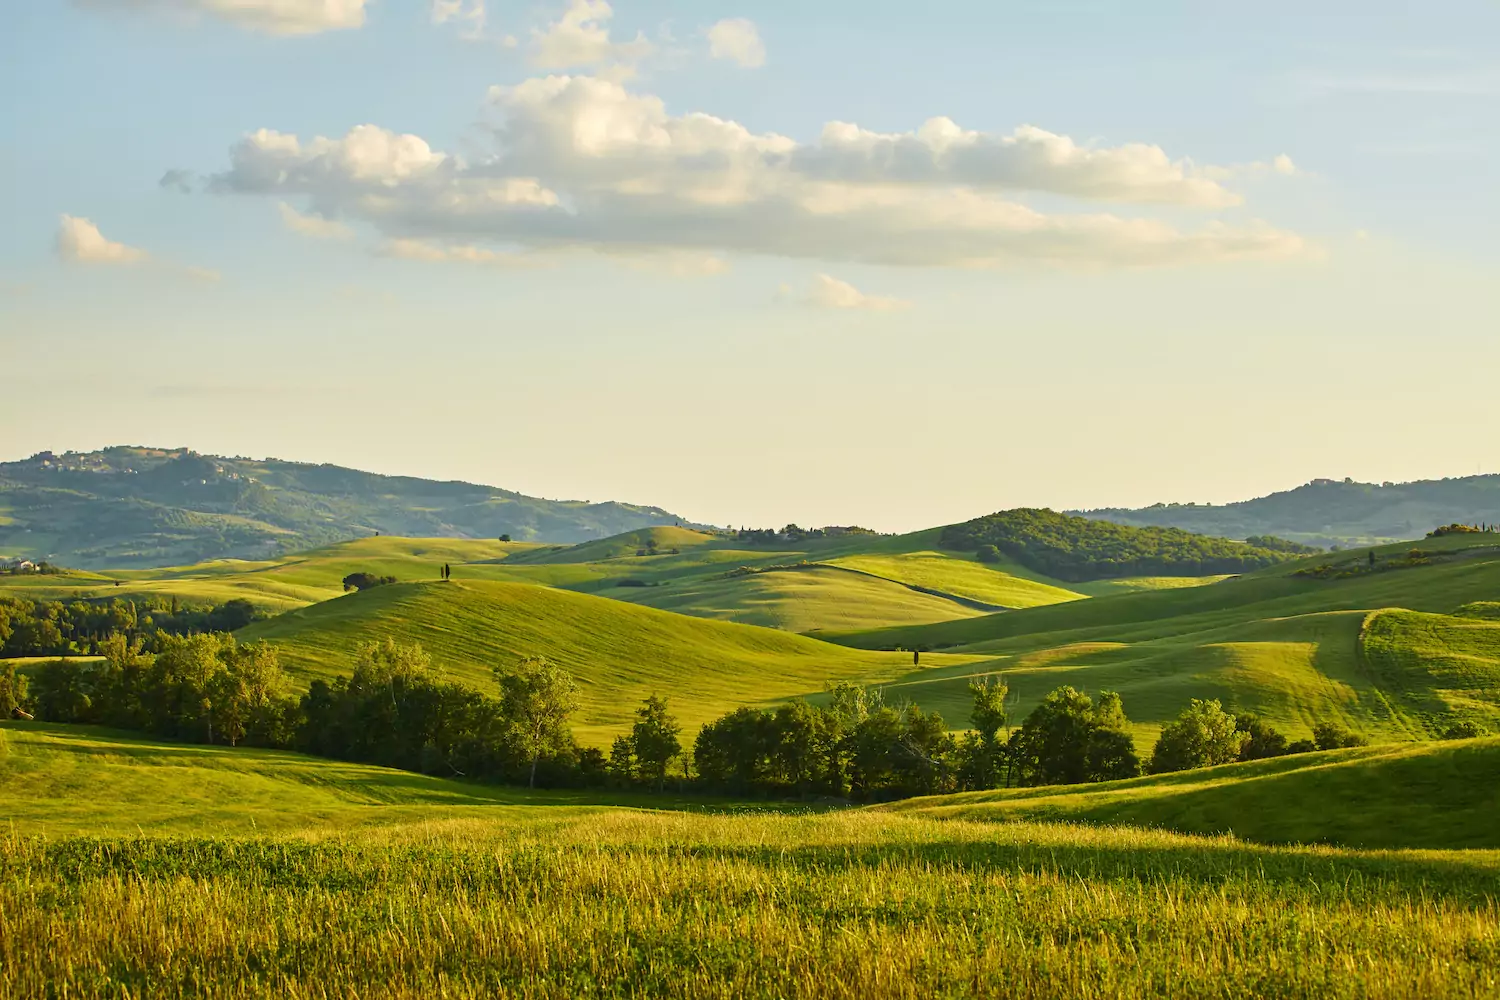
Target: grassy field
134, 869
620, 653
843, 583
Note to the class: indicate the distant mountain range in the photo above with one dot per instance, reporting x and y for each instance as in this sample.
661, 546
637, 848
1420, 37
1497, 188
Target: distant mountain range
1330, 512
131, 506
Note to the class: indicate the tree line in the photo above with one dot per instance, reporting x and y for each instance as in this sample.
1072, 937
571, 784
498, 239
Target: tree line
80, 627
398, 710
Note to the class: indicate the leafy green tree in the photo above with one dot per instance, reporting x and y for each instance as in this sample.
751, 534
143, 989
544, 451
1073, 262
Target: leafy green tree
1464, 730
1204, 735
984, 752
1331, 736
13, 690
987, 554
1067, 739
1262, 740
537, 697
621, 766
654, 737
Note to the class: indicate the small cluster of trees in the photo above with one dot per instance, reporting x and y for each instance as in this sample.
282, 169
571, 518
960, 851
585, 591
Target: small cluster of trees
793, 533
364, 581
80, 627
1205, 735
1079, 548
1277, 544
1461, 529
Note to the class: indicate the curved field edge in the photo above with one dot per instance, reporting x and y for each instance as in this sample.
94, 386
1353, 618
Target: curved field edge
1436, 795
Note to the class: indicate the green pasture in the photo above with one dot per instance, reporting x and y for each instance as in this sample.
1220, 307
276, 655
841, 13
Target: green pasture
131, 868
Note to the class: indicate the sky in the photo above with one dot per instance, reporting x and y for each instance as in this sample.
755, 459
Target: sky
848, 263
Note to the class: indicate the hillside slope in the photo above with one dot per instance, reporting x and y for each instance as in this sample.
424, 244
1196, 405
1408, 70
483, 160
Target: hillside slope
158, 507
619, 652
1438, 795
1289, 643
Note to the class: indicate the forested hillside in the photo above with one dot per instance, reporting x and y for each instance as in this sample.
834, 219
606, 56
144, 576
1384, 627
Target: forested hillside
1077, 549
129, 506
1330, 512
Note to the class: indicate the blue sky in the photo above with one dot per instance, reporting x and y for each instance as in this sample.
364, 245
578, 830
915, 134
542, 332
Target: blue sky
1066, 254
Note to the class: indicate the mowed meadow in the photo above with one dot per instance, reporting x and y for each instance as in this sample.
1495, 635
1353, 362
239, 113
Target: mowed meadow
234, 873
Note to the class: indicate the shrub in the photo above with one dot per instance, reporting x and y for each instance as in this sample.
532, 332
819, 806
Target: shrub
987, 554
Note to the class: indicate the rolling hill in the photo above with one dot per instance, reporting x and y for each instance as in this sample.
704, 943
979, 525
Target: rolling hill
1328, 512
1301, 643
142, 507
619, 652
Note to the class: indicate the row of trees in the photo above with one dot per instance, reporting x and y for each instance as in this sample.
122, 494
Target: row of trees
80, 627
396, 709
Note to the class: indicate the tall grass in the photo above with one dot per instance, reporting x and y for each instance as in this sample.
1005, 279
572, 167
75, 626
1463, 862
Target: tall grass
629, 903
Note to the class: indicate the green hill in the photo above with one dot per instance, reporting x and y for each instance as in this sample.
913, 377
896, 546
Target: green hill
1438, 795
619, 652
1079, 549
1289, 642
127, 506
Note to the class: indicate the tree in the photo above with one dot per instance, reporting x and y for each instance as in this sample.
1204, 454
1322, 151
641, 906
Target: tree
984, 754
1331, 736
13, 690
1067, 739
1261, 741
1464, 730
987, 554
537, 696
654, 737
1204, 735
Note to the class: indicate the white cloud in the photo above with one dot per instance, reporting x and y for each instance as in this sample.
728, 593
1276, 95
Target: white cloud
412, 249
737, 40
580, 37
581, 162
315, 226
469, 15
831, 293
79, 239
277, 17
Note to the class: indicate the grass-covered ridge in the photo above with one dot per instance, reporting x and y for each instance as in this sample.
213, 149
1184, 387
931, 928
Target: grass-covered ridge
1390, 796
1079, 549
620, 653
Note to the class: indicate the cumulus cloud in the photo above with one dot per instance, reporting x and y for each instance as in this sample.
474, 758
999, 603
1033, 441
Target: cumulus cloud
580, 37
581, 162
737, 40
79, 240
315, 226
831, 293
277, 17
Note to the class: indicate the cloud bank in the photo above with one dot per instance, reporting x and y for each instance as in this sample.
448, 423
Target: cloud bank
582, 162
831, 293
